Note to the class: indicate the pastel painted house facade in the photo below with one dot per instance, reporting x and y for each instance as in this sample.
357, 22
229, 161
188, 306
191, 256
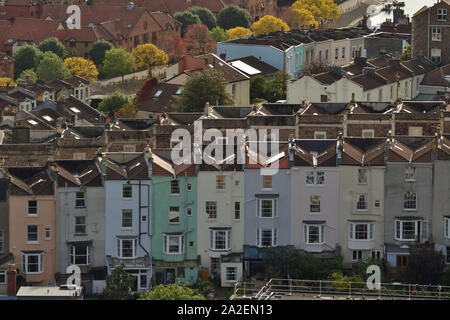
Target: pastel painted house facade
361, 200
314, 196
81, 222
33, 217
267, 205
221, 220
174, 220
441, 200
408, 196
128, 215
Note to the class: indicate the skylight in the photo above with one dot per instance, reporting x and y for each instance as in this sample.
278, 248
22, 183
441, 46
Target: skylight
244, 67
157, 94
135, 166
32, 122
48, 118
179, 91
75, 110
36, 182
85, 174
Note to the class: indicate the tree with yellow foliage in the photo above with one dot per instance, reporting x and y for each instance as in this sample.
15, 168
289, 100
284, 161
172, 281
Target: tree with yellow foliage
268, 24
321, 10
149, 56
81, 67
239, 32
128, 110
7, 82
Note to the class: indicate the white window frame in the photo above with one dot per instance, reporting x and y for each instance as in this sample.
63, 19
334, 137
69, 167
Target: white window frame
231, 271
370, 132
80, 224
307, 233
405, 201
166, 243
128, 193
317, 178
365, 201
320, 133
130, 219
120, 248
48, 234
237, 211
213, 239
73, 255
370, 231
211, 205
77, 199
441, 14
436, 34
311, 204
173, 213
29, 207
446, 227
274, 208
359, 255
397, 232
434, 54
274, 237
25, 257
37, 234
173, 187
410, 173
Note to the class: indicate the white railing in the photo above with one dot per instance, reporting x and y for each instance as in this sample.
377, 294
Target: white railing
343, 289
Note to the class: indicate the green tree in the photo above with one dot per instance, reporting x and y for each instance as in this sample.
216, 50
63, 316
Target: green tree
118, 284
97, 51
113, 102
219, 34
233, 16
205, 15
186, 18
425, 266
278, 88
172, 292
51, 66
28, 74
258, 88
27, 57
204, 86
118, 62
361, 268
406, 55
54, 45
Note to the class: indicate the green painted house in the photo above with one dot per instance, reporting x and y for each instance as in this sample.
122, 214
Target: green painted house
174, 220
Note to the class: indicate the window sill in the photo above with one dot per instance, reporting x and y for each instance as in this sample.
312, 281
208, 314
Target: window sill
128, 258
80, 234
84, 207
127, 229
173, 253
32, 242
409, 210
174, 194
32, 216
408, 240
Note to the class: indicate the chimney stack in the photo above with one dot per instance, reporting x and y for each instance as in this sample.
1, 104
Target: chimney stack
207, 109
11, 276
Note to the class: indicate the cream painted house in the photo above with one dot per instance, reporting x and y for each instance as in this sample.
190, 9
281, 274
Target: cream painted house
361, 205
221, 220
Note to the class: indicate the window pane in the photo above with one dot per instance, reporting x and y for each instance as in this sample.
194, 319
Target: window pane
127, 218
174, 187
266, 208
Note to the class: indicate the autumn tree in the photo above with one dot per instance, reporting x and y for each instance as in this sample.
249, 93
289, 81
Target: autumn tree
7, 82
172, 292
219, 34
128, 110
205, 15
27, 57
186, 18
299, 18
268, 24
51, 66
175, 47
54, 45
321, 10
149, 56
98, 49
233, 16
118, 62
204, 86
239, 33
198, 39
82, 67
113, 102
28, 75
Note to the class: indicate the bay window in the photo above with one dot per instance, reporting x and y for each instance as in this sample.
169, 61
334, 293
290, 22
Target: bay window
360, 231
32, 262
313, 233
220, 239
173, 243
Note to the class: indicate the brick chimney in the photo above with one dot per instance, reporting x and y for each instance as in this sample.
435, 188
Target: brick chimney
11, 276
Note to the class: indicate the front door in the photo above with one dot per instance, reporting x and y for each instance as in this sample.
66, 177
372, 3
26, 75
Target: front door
170, 275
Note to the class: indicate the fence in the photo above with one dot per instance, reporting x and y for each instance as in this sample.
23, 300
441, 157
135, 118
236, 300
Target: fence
318, 288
